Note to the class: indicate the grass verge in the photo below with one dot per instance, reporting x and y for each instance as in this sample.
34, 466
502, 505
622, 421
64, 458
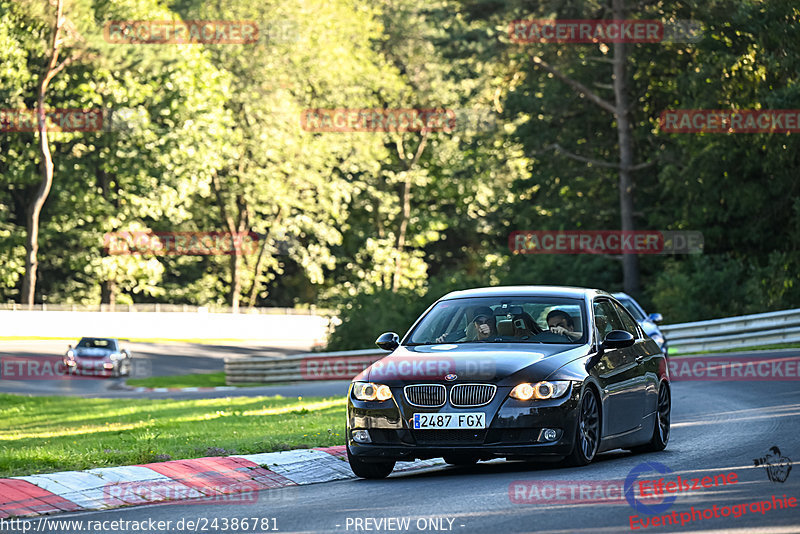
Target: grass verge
204, 380
47, 434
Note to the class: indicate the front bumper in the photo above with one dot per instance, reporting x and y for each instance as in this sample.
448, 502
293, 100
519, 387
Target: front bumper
90, 368
514, 429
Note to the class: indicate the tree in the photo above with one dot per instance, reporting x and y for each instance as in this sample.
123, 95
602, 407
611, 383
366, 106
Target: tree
620, 109
51, 69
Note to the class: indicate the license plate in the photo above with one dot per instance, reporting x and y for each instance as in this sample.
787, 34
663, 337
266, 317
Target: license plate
453, 420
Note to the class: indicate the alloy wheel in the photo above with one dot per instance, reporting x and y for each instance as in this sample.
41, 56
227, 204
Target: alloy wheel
589, 425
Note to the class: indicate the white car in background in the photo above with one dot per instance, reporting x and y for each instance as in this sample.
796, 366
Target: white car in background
98, 356
648, 322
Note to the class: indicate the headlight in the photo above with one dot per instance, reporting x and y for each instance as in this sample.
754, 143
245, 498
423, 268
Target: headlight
540, 390
367, 391
70, 354
659, 339
115, 356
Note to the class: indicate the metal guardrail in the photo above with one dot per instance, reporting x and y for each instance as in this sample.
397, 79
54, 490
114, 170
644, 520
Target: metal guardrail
342, 365
761, 329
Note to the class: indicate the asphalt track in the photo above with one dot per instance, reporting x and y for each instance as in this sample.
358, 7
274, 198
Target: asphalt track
150, 359
717, 427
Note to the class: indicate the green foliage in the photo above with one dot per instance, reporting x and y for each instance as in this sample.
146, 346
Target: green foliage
209, 136
721, 285
367, 315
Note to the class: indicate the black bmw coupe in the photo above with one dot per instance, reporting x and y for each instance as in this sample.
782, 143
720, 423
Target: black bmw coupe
520, 372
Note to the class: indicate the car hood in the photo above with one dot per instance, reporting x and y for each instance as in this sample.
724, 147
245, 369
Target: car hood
489, 362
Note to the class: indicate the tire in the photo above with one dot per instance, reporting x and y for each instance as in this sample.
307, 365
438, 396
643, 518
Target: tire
660, 438
460, 460
362, 469
587, 430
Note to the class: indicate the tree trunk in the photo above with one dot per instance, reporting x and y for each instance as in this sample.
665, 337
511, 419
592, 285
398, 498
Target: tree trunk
236, 279
108, 293
630, 263
251, 301
236, 231
35, 207
405, 213
620, 109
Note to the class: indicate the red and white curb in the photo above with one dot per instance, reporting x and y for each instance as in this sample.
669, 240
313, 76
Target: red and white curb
168, 390
200, 480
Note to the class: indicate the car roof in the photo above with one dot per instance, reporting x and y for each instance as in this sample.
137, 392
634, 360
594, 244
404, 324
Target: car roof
526, 291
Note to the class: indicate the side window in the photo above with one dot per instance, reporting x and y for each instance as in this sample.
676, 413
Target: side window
627, 320
605, 318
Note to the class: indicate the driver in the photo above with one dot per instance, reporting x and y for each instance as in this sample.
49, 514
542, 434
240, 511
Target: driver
481, 327
560, 322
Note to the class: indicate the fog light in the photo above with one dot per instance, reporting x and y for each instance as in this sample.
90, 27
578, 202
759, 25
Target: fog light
108, 365
361, 436
549, 434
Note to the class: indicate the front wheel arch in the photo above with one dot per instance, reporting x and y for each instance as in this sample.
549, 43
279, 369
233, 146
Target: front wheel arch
596, 388
576, 457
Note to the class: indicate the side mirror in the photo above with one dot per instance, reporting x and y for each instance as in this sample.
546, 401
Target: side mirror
618, 339
69, 347
655, 317
388, 341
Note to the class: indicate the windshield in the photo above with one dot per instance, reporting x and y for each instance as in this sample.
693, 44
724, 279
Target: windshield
631, 307
90, 343
502, 320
